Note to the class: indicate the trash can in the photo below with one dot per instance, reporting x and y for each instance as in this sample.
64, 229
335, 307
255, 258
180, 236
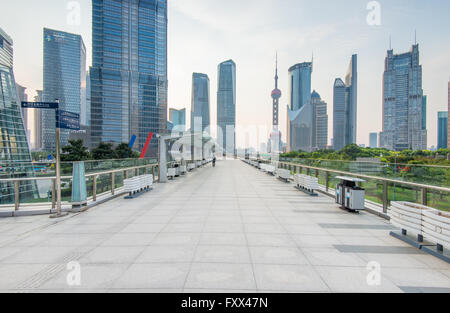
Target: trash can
349, 195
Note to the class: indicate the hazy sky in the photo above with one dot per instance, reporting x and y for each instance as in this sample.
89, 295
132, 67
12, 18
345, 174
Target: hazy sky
203, 33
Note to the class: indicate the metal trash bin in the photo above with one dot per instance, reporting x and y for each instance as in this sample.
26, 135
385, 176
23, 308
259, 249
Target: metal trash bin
349, 195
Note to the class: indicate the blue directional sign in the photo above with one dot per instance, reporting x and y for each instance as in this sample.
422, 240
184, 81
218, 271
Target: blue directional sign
67, 120
40, 105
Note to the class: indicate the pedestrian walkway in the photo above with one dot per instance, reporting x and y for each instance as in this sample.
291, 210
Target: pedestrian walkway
224, 229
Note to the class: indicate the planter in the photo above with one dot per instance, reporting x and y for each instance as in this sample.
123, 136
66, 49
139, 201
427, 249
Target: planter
408, 216
436, 227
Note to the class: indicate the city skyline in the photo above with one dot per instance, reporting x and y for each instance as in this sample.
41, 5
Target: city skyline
188, 25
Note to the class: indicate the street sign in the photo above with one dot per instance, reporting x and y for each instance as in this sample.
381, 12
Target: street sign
40, 105
67, 120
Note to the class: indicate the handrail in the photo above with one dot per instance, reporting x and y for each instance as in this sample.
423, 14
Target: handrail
389, 180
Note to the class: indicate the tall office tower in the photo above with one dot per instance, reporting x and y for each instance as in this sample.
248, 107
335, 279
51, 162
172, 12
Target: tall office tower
404, 105
300, 111
64, 80
37, 129
320, 122
129, 71
178, 118
448, 126
200, 103
226, 106
345, 101
373, 139
25, 112
85, 116
15, 158
275, 136
442, 130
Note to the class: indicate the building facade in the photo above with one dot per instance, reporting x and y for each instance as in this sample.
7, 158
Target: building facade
320, 122
64, 80
178, 118
200, 103
226, 107
300, 110
129, 71
404, 104
448, 126
442, 130
373, 139
345, 104
15, 158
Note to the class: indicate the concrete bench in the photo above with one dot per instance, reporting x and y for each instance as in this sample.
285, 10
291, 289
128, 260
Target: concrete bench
307, 183
284, 174
137, 185
191, 167
183, 170
172, 173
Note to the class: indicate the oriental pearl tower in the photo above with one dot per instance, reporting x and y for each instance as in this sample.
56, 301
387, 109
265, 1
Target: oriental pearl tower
275, 136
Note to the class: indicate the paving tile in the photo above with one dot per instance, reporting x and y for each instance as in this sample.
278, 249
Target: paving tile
270, 240
221, 276
277, 255
157, 276
300, 278
220, 239
169, 254
112, 255
332, 257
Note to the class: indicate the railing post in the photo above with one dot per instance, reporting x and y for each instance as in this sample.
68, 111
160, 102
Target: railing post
154, 173
327, 181
94, 188
53, 193
125, 174
424, 197
113, 183
136, 172
317, 173
385, 197
16, 195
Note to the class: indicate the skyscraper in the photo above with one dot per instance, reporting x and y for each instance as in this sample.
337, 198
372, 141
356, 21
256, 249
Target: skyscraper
129, 71
226, 106
404, 105
64, 80
442, 130
373, 139
345, 101
38, 116
200, 102
178, 118
448, 126
15, 158
300, 110
320, 122
300, 85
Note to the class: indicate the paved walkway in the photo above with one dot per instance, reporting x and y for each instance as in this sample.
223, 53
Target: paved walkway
226, 229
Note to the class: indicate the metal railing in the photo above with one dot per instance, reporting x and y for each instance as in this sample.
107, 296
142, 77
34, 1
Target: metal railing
111, 182
389, 187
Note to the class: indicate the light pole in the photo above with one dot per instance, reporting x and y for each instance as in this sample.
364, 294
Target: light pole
58, 167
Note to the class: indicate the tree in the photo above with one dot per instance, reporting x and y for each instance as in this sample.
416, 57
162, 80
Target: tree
123, 151
75, 151
104, 151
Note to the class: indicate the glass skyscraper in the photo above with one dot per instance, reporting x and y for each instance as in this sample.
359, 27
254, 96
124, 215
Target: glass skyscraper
178, 118
226, 107
404, 105
15, 158
373, 138
200, 105
442, 130
300, 122
345, 104
129, 71
320, 122
64, 80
